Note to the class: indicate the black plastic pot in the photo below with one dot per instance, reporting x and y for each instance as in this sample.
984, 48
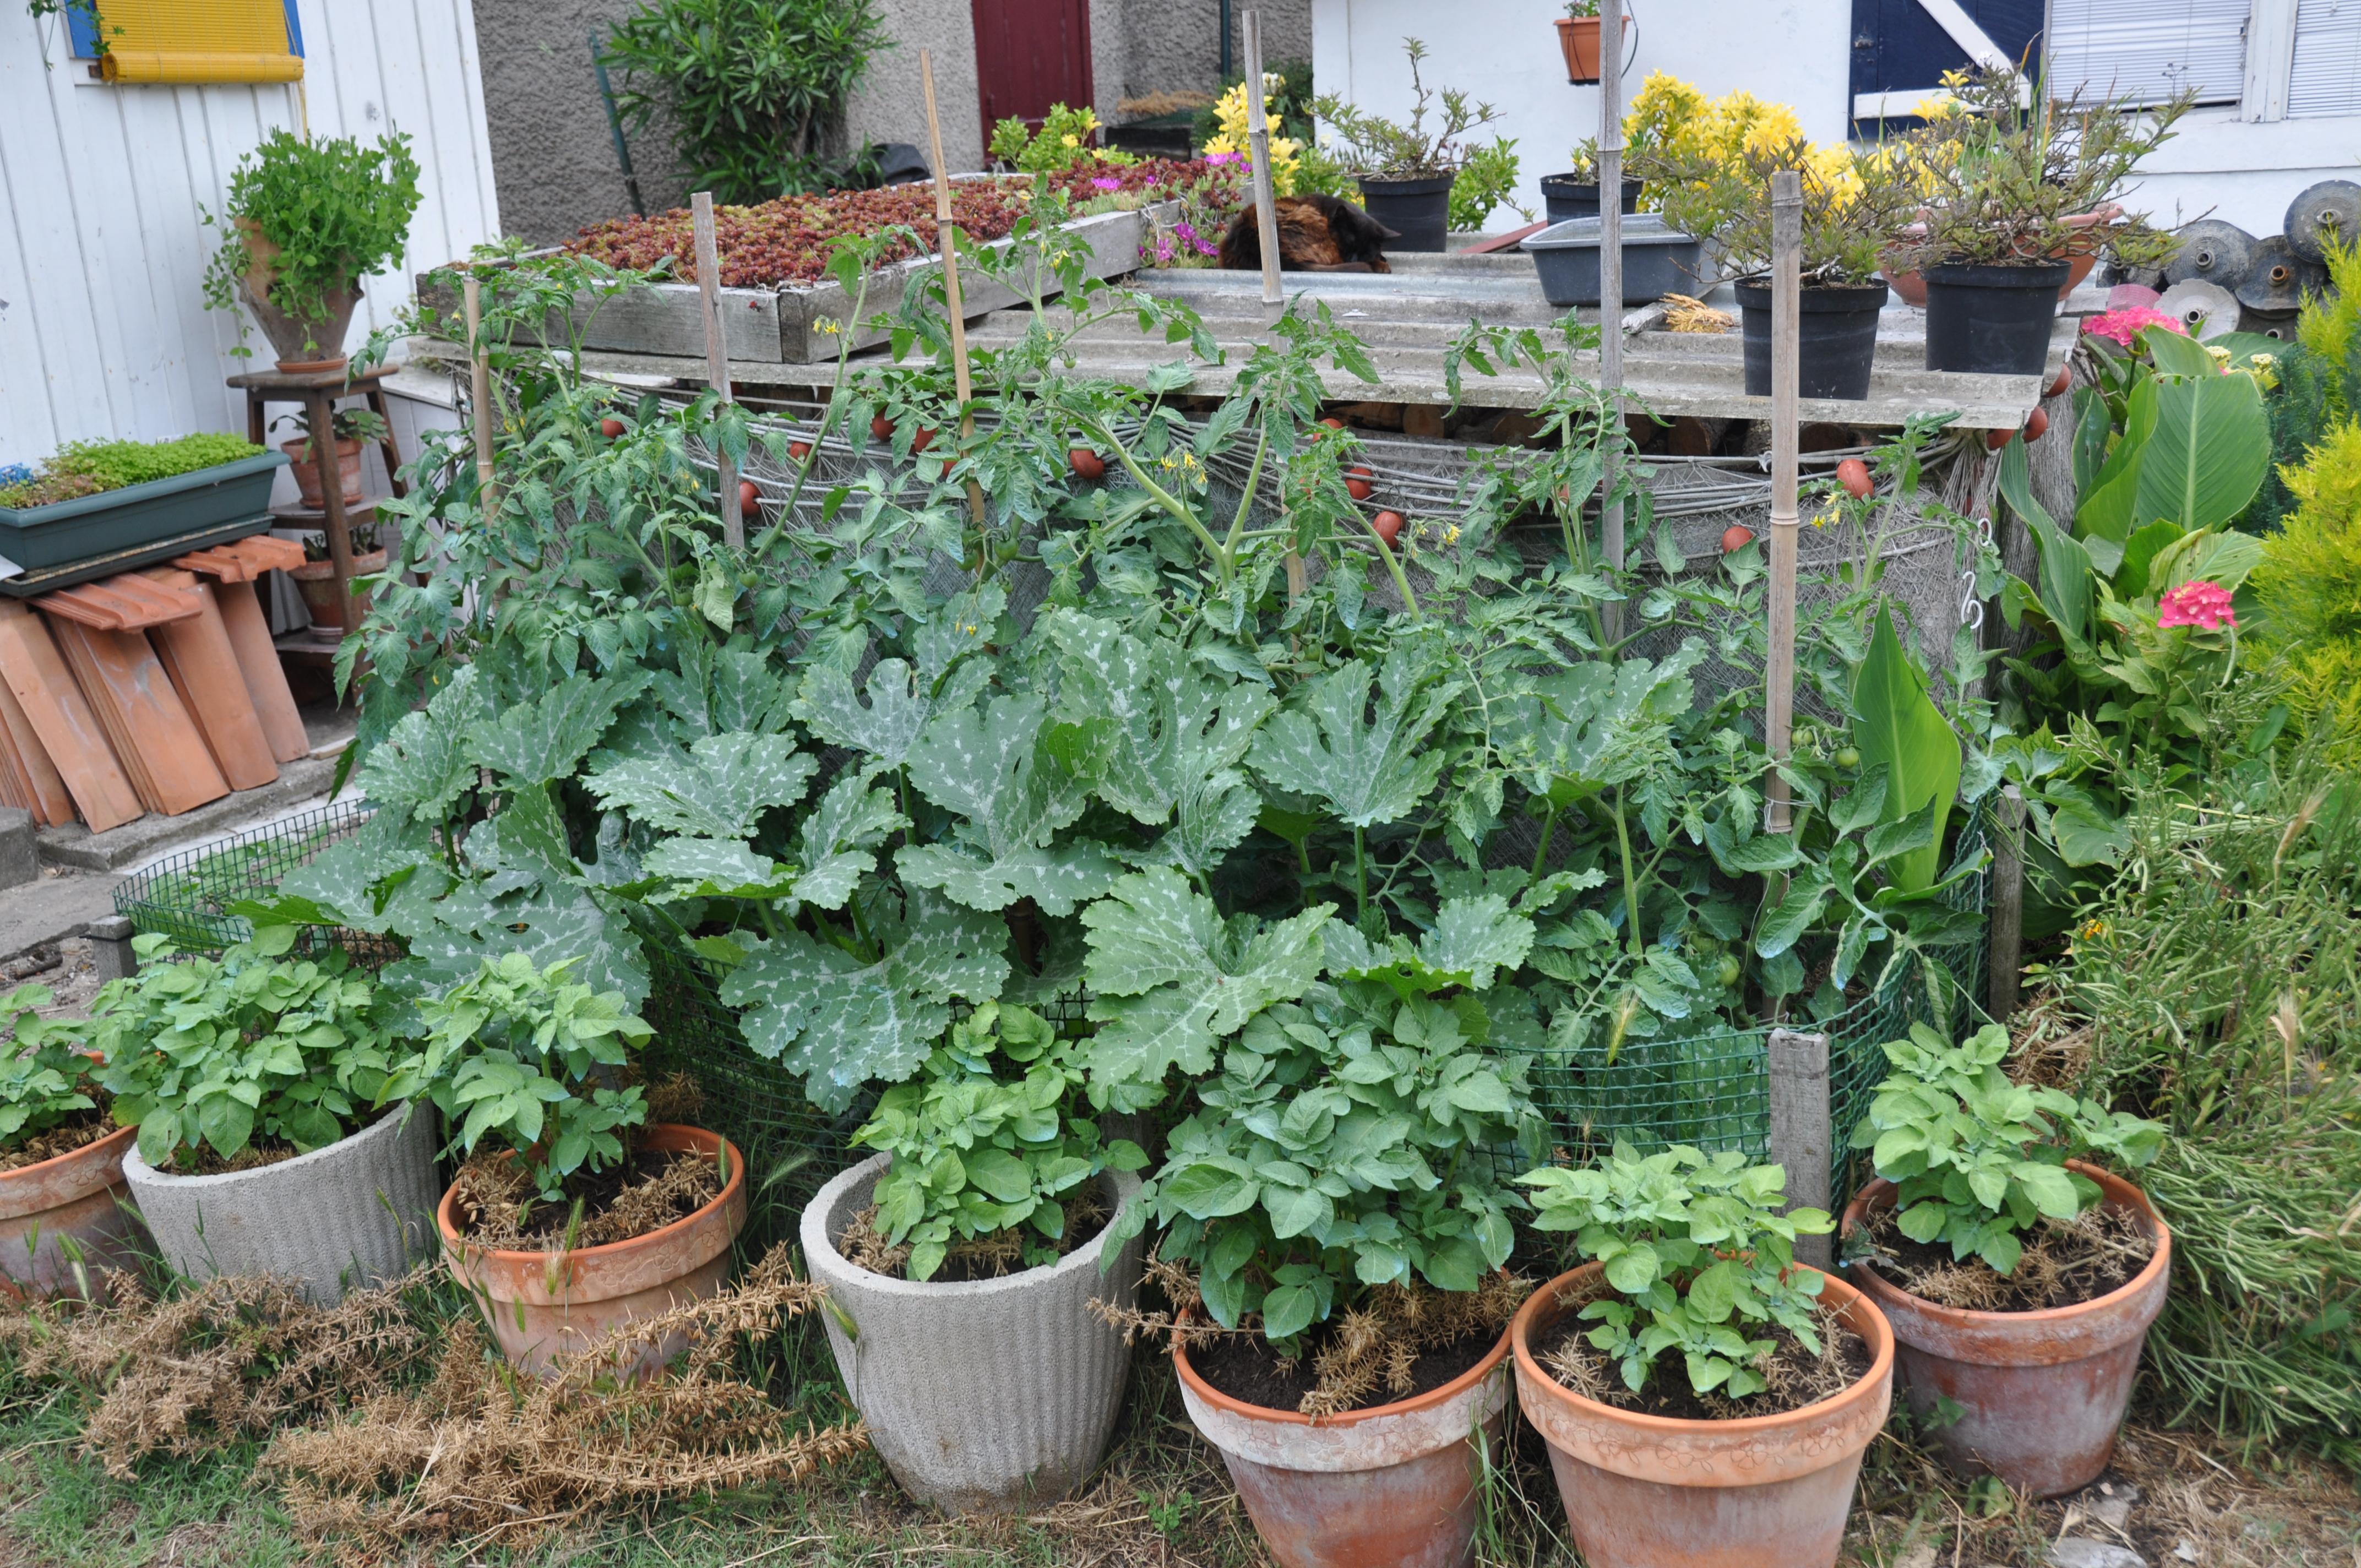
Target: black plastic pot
1566, 197
1992, 319
1835, 338
1418, 210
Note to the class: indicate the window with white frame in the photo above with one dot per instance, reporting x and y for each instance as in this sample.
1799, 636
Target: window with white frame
2148, 50
2325, 75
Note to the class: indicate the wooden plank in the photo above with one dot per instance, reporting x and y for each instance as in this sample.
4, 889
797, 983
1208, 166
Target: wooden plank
2007, 905
197, 654
1800, 1140
266, 678
61, 718
33, 779
654, 319
157, 741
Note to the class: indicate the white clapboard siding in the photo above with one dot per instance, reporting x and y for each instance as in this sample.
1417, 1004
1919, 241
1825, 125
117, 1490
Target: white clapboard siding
104, 331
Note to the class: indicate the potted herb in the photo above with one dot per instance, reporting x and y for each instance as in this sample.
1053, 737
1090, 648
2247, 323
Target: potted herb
1704, 1398
64, 1213
1405, 171
1336, 1223
580, 1215
2020, 1279
307, 220
2019, 199
105, 498
352, 426
964, 1263
1577, 36
269, 1142
1853, 201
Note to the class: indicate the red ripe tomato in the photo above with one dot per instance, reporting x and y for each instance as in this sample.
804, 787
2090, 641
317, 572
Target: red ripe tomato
798, 450
1358, 483
1853, 475
749, 498
2038, 424
1334, 423
1389, 525
2061, 383
1086, 463
924, 439
882, 428
1737, 536
610, 428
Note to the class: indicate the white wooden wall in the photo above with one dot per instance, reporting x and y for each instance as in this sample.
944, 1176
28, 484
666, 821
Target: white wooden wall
104, 331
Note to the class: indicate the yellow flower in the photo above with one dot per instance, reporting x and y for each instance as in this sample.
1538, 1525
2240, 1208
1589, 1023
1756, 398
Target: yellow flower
1072, 141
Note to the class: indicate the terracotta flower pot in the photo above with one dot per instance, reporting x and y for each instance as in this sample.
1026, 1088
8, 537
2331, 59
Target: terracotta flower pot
316, 580
79, 1195
545, 1304
2042, 1393
1645, 1491
1391, 1486
1577, 37
307, 473
305, 343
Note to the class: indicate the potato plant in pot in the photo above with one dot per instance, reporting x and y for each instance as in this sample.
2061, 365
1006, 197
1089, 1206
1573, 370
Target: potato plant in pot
963, 1263
65, 1211
1405, 171
579, 1215
1742, 1453
1336, 1231
2020, 1277
270, 1140
305, 220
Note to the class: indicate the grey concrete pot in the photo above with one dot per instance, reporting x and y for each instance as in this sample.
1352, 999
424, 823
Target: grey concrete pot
987, 1397
357, 1211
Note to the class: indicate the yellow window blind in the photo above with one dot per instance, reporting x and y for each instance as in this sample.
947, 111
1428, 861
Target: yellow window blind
198, 41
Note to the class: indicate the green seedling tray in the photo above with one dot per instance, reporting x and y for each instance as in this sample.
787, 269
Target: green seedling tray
40, 540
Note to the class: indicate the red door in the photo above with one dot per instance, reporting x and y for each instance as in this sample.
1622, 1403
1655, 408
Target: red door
1030, 54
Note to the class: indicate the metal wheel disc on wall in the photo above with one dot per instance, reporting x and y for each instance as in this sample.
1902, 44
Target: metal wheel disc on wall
2272, 286
2211, 252
2331, 208
2200, 307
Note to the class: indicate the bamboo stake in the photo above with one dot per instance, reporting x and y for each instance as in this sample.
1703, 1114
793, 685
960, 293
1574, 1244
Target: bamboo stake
479, 392
716, 359
946, 243
1610, 278
1258, 144
1779, 678
2007, 907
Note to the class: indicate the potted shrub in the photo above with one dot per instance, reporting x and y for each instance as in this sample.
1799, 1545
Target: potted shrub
1853, 201
63, 1209
106, 498
1574, 193
268, 1142
1577, 36
1405, 171
1336, 1226
2019, 1278
353, 427
1745, 1448
307, 220
2014, 200
964, 1260
582, 1215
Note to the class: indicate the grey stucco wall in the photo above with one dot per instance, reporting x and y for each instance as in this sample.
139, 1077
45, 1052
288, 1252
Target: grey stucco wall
1176, 45
891, 105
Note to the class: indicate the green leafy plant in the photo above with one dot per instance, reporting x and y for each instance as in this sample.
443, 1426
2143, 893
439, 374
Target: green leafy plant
1978, 1159
1486, 181
990, 1139
88, 467
313, 218
1388, 149
350, 424
1064, 142
206, 1053
47, 1075
525, 1054
1855, 199
1695, 1250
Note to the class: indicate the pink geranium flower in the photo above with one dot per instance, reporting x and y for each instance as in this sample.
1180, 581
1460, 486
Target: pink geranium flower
2123, 325
2198, 603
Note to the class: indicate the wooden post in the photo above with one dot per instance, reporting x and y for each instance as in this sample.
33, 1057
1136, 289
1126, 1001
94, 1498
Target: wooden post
1779, 676
1610, 279
479, 391
2007, 905
1801, 1139
946, 243
1259, 145
716, 359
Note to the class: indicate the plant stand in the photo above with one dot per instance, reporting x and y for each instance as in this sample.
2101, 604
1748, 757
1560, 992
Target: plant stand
317, 391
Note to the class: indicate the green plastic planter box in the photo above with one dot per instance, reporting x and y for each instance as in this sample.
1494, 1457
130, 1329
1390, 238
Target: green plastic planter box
38, 539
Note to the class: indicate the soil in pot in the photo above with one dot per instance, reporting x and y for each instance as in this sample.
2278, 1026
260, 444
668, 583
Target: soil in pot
1243, 1366
986, 1257
75, 1132
497, 1206
2065, 1264
1399, 1345
1798, 1376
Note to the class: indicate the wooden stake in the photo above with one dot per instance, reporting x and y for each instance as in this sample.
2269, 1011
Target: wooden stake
479, 391
1801, 1139
946, 235
716, 359
2007, 905
1259, 145
1779, 678
1610, 277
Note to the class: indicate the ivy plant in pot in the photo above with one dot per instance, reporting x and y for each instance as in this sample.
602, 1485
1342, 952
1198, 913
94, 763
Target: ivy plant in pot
1405, 171
64, 1209
1745, 1448
1336, 1230
964, 1263
306, 220
579, 1215
270, 1140
2020, 1277
2016, 203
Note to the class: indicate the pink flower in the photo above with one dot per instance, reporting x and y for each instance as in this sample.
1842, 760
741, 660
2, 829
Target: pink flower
2123, 325
2198, 603
1107, 184
1225, 158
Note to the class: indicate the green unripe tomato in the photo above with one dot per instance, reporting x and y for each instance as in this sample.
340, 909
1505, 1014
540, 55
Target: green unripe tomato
1849, 757
1729, 971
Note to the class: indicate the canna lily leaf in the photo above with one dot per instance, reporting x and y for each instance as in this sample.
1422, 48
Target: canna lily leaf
1901, 729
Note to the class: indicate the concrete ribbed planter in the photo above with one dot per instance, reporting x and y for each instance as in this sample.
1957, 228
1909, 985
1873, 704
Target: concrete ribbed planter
357, 1211
982, 1397
73, 1196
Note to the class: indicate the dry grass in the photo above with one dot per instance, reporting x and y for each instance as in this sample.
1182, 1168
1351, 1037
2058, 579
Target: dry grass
1682, 314
500, 1208
1166, 102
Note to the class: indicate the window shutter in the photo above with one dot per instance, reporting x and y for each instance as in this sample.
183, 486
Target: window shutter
2327, 75
2148, 49
193, 41
1900, 49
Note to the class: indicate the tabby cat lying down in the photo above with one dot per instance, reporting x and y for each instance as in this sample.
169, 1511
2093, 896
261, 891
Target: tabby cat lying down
1316, 234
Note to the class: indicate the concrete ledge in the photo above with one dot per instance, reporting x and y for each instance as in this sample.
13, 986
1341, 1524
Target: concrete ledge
75, 845
19, 859
50, 909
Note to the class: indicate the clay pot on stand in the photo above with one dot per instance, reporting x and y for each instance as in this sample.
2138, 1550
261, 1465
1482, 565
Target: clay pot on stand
303, 344
2042, 1394
307, 472
1645, 1491
316, 581
1391, 1486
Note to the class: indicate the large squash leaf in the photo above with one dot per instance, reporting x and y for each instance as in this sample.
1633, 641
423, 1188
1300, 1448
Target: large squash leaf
1364, 762
426, 762
1898, 727
1473, 939
901, 701
718, 789
997, 772
533, 743
1598, 724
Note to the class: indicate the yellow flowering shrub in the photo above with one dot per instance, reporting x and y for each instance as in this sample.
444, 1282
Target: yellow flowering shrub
1232, 139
